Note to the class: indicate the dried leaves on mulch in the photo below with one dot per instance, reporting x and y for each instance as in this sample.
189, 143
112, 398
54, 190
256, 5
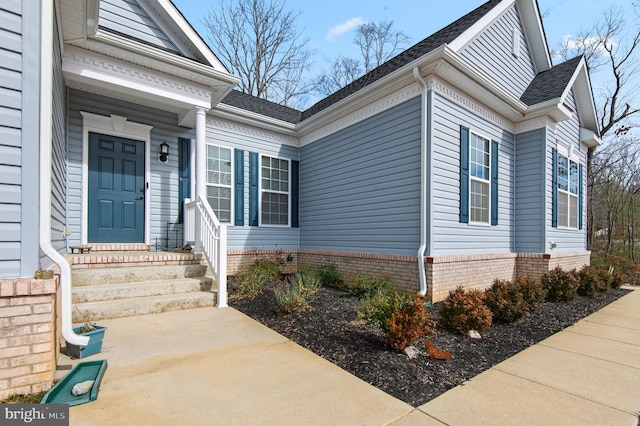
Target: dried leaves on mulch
329, 329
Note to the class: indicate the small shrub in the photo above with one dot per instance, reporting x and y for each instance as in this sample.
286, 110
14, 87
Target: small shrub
258, 275
591, 281
292, 300
378, 308
464, 310
561, 286
364, 284
408, 324
330, 277
533, 291
506, 301
309, 280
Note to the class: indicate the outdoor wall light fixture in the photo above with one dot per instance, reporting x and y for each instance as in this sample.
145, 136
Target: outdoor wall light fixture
164, 152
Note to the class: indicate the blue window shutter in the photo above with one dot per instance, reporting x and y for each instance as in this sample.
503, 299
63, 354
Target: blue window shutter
494, 182
580, 198
253, 189
295, 195
239, 188
464, 174
554, 190
184, 173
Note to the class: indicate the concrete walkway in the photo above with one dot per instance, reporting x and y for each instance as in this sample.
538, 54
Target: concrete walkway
219, 367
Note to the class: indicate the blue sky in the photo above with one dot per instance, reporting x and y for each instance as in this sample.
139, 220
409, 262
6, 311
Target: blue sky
329, 24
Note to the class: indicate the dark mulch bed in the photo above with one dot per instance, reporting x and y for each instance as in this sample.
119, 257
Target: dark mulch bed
329, 329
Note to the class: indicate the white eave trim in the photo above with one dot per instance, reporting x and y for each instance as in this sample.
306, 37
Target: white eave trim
193, 37
589, 138
243, 116
472, 32
136, 48
553, 108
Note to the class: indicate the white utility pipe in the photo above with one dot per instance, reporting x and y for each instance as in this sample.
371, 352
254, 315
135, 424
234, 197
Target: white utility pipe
423, 183
46, 111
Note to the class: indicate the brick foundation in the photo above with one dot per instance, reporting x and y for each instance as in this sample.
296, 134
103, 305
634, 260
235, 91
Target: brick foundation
29, 335
443, 273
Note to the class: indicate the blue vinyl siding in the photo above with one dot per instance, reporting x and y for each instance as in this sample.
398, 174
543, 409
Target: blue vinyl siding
360, 187
567, 131
492, 51
11, 171
260, 142
164, 183
129, 18
529, 194
59, 152
449, 236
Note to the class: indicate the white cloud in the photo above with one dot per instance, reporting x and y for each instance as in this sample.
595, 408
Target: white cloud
345, 27
592, 43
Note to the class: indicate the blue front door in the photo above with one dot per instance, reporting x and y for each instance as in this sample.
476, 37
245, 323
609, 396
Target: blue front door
116, 190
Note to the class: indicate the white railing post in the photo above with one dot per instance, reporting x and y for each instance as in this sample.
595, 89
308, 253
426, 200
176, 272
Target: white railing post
222, 266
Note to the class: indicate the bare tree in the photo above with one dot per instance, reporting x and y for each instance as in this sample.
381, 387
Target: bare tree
257, 40
344, 71
610, 46
378, 42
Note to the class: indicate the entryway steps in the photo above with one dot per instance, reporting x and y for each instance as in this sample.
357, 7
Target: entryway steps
103, 292
100, 310
122, 284
115, 274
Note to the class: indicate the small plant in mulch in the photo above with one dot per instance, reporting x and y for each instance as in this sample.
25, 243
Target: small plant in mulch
506, 301
562, 286
257, 276
533, 291
291, 300
464, 310
24, 398
592, 280
407, 325
364, 284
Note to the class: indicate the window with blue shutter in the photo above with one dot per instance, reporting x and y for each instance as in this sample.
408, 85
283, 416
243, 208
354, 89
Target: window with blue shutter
494, 182
464, 174
581, 198
554, 192
567, 196
295, 193
239, 188
253, 189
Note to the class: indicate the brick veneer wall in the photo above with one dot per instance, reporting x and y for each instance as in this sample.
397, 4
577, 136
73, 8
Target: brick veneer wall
29, 335
443, 273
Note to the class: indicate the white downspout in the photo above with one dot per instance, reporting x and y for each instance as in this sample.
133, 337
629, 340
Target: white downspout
46, 111
423, 183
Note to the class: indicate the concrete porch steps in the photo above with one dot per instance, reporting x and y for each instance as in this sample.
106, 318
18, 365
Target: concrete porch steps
119, 308
108, 285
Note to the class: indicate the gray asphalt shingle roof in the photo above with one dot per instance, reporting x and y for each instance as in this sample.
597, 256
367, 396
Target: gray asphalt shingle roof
445, 35
550, 84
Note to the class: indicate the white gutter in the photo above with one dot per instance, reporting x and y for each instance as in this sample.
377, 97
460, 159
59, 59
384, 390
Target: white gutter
423, 183
46, 111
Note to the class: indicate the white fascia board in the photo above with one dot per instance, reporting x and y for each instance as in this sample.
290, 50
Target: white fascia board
475, 29
589, 138
534, 33
581, 84
131, 49
469, 70
552, 108
92, 16
191, 34
111, 74
253, 119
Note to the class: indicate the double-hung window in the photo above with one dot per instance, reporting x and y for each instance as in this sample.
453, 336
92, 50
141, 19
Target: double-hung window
274, 191
219, 181
568, 192
478, 178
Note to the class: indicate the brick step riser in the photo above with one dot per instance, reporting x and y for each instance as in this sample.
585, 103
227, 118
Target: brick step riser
110, 275
94, 293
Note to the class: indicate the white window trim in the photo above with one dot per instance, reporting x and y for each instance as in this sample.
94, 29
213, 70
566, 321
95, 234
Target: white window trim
118, 126
569, 195
233, 182
261, 191
488, 181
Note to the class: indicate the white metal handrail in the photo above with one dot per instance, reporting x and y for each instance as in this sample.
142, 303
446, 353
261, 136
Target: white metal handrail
203, 229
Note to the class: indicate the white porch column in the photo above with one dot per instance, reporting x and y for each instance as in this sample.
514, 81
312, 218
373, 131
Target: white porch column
201, 168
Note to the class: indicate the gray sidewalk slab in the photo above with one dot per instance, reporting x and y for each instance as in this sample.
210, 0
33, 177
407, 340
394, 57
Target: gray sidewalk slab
586, 374
217, 366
